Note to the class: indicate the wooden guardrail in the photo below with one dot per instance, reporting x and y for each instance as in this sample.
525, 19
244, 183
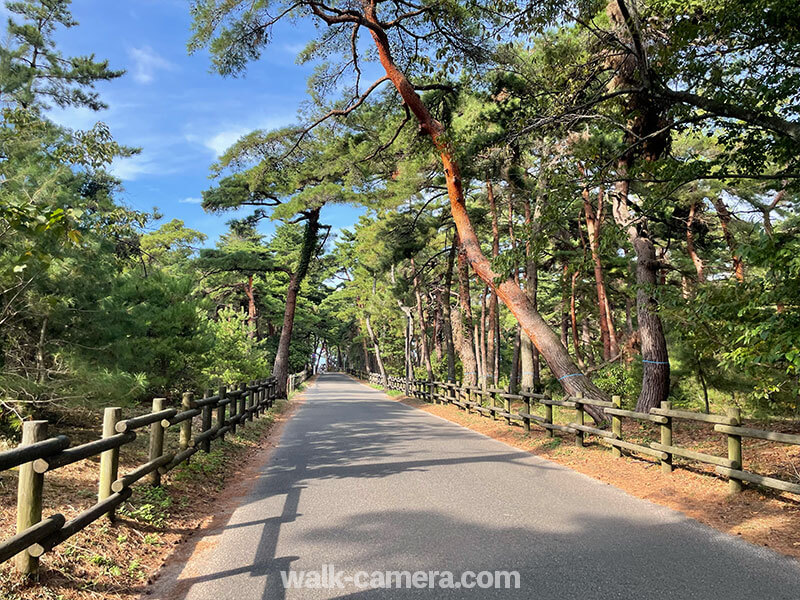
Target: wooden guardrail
496, 404
296, 380
38, 455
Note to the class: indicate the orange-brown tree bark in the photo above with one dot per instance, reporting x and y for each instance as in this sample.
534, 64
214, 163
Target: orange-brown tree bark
594, 222
725, 222
252, 314
493, 341
555, 354
690, 247
464, 326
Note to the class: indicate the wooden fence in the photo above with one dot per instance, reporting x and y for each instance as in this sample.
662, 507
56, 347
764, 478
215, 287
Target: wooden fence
497, 404
218, 413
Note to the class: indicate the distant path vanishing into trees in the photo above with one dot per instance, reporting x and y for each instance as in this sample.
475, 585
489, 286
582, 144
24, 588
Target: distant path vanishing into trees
365, 483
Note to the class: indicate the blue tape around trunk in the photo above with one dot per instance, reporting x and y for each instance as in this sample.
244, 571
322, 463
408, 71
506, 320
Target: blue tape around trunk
570, 375
655, 362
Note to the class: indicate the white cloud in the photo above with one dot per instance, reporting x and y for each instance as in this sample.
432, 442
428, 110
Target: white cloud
294, 48
220, 142
191, 201
146, 62
76, 117
223, 139
129, 169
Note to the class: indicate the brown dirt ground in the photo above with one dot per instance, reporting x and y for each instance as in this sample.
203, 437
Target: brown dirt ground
763, 517
118, 561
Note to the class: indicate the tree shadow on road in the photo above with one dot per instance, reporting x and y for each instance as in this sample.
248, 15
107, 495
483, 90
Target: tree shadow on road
603, 545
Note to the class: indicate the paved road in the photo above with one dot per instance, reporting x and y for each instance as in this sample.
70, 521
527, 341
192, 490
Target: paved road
368, 484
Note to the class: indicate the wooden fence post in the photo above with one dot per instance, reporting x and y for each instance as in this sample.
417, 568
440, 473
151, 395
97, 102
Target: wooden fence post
206, 421
156, 441
234, 408
187, 403
29, 494
251, 399
548, 418
242, 403
527, 420
221, 410
109, 460
579, 414
734, 450
255, 401
616, 426
666, 439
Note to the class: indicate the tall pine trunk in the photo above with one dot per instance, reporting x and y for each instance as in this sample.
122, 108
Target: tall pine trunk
484, 366
531, 377
469, 362
377, 350
448, 314
423, 328
594, 221
513, 378
280, 368
252, 314
574, 321
725, 222
655, 360
493, 341
367, 366
690, 247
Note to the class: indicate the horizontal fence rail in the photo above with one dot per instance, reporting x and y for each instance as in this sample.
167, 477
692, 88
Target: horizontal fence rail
218, 413
496, 404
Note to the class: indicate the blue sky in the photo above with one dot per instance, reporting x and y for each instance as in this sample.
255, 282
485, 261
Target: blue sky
180, 114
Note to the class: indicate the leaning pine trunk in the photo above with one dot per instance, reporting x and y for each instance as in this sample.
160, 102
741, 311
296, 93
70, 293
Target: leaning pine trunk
280, 369
558, 359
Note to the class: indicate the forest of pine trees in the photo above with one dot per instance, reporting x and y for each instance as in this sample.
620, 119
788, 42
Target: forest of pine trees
580, 196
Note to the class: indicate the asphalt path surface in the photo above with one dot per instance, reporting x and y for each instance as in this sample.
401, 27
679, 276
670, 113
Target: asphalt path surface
367, 484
